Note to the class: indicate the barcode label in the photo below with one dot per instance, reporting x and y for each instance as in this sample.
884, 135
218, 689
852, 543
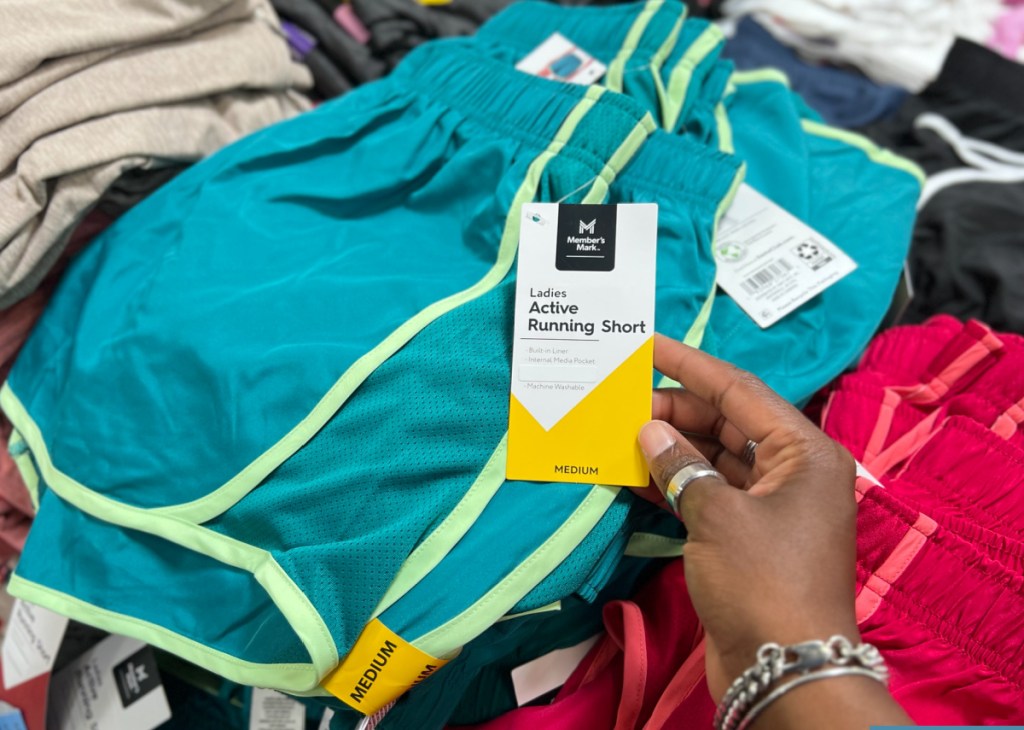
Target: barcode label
766, 275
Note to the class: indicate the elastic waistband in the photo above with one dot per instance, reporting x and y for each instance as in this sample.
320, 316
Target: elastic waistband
600, 31
671, 166
698, 40
969, 601
455, 74
967, 465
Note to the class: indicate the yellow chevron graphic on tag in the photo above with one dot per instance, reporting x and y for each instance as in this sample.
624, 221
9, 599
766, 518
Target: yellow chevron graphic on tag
595, 441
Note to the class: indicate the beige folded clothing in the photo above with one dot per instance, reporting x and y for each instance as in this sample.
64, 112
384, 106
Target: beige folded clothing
72, 127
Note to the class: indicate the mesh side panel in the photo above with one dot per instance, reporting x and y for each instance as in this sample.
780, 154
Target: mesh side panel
586, 559
345, 511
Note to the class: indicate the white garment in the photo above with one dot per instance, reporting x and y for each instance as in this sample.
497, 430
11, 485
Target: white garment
903, 43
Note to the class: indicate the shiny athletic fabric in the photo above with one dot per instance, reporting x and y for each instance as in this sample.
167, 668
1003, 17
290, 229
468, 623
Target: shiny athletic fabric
947, 619
633, 39
810, 169
477, 686
254, 322
839, 185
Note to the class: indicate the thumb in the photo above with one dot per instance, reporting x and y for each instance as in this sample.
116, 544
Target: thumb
678, 468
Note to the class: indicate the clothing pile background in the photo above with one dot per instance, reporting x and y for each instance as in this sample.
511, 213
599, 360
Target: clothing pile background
193, 333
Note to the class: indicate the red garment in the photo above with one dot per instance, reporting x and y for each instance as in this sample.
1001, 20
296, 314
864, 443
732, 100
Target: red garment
948, 620
646, 673
935, 412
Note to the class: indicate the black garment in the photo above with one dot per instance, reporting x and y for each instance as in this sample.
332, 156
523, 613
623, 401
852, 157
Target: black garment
979, 91
967, 257
398, 26
328, 80
352, 59
711, 9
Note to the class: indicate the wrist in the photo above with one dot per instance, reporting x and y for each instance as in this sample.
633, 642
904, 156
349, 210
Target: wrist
742, 654
779, 670
838, 703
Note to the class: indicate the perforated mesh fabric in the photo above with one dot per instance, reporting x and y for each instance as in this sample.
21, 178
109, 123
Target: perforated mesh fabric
345, 511
591, 559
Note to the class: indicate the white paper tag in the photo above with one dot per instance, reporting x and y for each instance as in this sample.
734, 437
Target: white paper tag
270, 710
862, 471
583, 343
560, 59
770, 262
536, 678
325, 720
30, 645
114, 685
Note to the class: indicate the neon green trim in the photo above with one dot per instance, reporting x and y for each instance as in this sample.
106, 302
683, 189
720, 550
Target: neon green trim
263, 675
23, 462
439, 543
556, 606
171, 523
681, 76
695, 336
219, 500
499, 600
725, 143
444, 537
760, 76
613, 77
619, 159
649, 545
875, 153
290, 601
659, 60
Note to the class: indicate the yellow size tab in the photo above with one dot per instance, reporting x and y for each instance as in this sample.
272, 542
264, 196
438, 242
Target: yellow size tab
381, 667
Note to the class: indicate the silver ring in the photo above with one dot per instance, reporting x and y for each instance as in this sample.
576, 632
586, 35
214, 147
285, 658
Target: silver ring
748, 455
684, 478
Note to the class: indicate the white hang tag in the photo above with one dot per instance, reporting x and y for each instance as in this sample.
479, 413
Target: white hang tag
112, 686
30, 645
560, 59
770, 262
270, 710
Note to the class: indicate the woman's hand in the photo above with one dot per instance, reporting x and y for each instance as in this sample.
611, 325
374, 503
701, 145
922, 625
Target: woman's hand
771, 548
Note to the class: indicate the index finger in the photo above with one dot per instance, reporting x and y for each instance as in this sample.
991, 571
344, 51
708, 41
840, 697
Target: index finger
741, 398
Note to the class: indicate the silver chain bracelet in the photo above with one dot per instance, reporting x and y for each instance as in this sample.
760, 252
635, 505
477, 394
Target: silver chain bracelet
755, 689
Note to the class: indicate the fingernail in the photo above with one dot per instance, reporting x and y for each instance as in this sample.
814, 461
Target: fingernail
656, 437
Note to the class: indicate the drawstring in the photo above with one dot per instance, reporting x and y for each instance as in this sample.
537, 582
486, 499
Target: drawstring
986, 162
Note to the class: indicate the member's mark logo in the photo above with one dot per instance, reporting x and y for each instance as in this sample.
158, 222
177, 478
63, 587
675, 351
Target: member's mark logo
587, 227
